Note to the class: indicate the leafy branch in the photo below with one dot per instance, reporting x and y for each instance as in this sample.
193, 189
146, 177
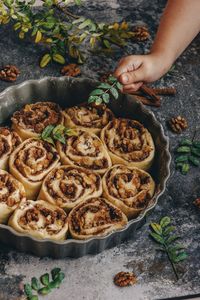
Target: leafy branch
63, 34
105, 91
53, 133
187, 153
162, 233
44, 286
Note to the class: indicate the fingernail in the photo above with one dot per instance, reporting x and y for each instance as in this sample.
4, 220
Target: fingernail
124, 78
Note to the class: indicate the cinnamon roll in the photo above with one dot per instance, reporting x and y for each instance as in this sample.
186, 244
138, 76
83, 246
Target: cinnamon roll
129, 143
88, 117
30, 162
67, 186
95, 217
128, 188
30, 121
11, 194
40, 219
9, 140
84, 150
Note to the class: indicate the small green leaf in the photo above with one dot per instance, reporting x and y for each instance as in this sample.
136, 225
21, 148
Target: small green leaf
106, 44
112, 79
106, 97
195, 151
194, 160
157, 238
172, 238
45, 60
45, 290
59, 138
186, 142
114, 92
104, 85
165, 221
70, 132
168, 230
185, 168
85, 23
59, 129
119, 85
97, 92
28, 290
196, 144
176, 247
58, 58
55, 272
92, 99
180, 257
78, 2
157, 228
57, 281
47, 131
181, 158
60, 276
183, 149
35, 284
45, 279
98, 101
34, 297
49, 140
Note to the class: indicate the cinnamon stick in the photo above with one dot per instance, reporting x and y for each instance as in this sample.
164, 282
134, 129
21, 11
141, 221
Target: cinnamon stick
149, 92
146, 101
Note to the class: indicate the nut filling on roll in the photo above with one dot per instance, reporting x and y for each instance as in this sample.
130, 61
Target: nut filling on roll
11, 194
95, 217
9, 140
129, 143
31, 162
67, 186
40, 219
33, 118
90, 117
85, 150
129, 188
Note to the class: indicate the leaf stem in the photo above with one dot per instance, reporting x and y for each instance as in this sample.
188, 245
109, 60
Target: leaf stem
172, 264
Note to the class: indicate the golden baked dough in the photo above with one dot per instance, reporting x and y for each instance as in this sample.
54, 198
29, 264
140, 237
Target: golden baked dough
9, 140
85, 150
12, 193
30, 162
30, 121
40, 219
67, 186
95, 217
129, 143
88, 117
128, 188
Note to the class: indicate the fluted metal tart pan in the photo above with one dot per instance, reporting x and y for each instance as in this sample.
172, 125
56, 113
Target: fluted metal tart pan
69, 92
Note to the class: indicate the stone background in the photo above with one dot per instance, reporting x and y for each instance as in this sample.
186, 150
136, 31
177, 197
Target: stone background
91, 277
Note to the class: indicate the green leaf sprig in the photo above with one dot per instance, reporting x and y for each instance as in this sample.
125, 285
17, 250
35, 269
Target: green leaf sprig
53, 133
44, 285
105, 91
187, 153
162, 233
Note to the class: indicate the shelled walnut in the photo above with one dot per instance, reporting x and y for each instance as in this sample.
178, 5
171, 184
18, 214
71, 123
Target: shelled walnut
9, 73
178, 124
71, 70
123, 279
141, 33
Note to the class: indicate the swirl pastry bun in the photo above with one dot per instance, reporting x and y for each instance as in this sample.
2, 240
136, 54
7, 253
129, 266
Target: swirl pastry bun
67, 186
85, 150
95, 217
12, 193
40, 219
129, 143
30, 162
9, 140
89, 117
128, 188
30, 121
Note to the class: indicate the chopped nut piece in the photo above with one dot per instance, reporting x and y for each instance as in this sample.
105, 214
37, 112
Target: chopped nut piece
71, 70
9, 73
178, 124
124, 279
141, 33
197, 202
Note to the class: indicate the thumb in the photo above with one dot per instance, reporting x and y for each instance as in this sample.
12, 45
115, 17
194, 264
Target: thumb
133, 76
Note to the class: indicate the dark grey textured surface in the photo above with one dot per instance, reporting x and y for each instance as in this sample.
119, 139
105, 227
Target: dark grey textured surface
90, 277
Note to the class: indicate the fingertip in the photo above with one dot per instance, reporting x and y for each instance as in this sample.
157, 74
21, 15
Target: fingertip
124, 78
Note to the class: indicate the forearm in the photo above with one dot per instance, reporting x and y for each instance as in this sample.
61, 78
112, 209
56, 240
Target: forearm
179, 24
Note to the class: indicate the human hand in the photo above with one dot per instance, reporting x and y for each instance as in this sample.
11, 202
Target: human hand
132, 71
